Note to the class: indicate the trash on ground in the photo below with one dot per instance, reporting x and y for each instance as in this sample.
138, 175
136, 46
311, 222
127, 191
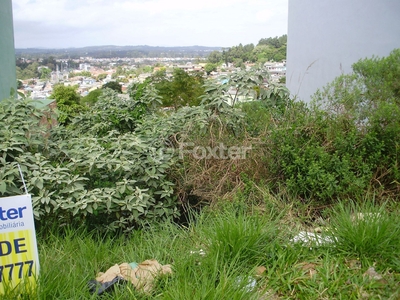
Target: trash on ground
259, 271
372, 274
199, 252
100, 288
140, 275
248, 283
313, 238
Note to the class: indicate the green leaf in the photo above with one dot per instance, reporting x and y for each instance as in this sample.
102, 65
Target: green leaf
3, 187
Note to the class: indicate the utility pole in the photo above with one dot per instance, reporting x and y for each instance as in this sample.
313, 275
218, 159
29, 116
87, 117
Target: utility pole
8, 77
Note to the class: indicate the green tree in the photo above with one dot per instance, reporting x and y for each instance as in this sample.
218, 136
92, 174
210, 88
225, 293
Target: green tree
275, 42
101, 76
113, 85
83, 73
68, 102
18, 70
159, 76
182, 89
215, 57
45, 73
49, 62
210, 67
27, 71
92, 97
238, 63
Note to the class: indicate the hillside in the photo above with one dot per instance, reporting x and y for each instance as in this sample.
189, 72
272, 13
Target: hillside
118, 51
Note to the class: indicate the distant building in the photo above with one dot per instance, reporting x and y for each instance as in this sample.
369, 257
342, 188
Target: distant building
84, 67
57, 75
325, 37
276, 69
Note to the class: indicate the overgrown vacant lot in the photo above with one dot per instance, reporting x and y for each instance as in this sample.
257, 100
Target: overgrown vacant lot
263, 199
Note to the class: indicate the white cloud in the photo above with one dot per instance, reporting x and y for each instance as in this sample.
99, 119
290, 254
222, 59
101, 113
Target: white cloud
153, 22
264, 15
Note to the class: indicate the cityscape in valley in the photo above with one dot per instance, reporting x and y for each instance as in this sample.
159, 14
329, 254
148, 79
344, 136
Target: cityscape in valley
90, 68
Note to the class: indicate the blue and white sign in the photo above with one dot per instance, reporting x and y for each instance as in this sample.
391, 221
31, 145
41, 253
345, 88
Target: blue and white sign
19, 260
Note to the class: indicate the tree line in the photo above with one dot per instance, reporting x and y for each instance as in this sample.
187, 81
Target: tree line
267, 49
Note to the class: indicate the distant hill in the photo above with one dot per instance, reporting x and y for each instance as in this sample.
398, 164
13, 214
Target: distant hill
109, 51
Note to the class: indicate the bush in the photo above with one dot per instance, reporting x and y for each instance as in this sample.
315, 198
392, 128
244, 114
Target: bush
68, 102
369, 101
318, 157
113, 85
115, 181
346, 142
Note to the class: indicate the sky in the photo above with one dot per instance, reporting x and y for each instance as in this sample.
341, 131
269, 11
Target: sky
80, 23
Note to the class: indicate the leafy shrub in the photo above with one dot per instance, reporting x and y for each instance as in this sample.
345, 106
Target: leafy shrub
318, 157
68, 102
346, 142
110, 112
369, 100
20, 133
117, 181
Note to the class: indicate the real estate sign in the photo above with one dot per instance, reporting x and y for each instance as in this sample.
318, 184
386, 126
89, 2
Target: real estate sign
19, 261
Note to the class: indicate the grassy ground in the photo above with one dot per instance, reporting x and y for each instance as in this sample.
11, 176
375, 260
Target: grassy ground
237, 240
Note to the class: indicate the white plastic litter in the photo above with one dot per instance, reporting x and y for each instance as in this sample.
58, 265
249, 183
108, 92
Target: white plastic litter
311, 238
249, 283
199, 252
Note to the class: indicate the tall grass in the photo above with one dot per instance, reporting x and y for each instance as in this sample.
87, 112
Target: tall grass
217, 254
368, 232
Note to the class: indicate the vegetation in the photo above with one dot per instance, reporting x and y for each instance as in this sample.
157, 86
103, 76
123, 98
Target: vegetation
82, 73
270, 49
38, 68
180, 89
28, 71
92, 97
256, 165
233, 252
68, 102
113, 85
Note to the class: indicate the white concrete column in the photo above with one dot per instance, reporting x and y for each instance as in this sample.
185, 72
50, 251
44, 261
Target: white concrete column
325, 37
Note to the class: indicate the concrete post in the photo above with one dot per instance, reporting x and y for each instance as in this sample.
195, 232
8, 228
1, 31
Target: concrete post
8, 78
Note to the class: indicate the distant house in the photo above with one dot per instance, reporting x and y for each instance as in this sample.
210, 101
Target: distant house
84, 67
276, 68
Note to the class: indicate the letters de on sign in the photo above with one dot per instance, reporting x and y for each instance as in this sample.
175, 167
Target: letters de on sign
19, 260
